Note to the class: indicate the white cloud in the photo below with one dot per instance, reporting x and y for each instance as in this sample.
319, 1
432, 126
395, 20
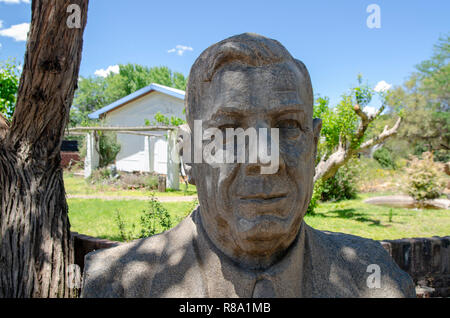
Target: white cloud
180, 49
15, 1
109, 70
18, 31
369, 110
382, 86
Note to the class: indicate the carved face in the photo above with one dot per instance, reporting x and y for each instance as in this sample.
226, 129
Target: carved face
254, 217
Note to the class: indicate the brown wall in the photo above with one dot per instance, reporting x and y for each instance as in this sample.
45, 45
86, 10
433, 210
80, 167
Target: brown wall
426, 260
66, 156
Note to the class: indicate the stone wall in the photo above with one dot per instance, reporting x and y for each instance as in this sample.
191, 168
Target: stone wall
84, 244
426, 260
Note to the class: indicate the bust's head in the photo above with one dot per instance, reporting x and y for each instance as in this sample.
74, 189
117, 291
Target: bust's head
252, 81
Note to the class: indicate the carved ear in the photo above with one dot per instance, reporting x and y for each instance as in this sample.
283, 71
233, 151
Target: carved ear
184, 140
317, 126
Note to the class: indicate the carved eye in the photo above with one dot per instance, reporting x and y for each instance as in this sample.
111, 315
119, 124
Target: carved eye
224, 127
289, 128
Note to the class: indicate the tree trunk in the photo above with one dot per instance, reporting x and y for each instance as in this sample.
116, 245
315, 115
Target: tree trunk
35, 245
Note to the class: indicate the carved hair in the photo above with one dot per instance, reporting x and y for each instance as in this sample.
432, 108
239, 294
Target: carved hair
245, 49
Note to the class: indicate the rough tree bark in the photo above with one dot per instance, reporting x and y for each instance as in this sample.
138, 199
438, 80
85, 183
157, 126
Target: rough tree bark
328, 167
35, 243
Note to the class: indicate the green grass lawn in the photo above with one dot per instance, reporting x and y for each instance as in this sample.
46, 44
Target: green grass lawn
97, 218
366, 220
77, 185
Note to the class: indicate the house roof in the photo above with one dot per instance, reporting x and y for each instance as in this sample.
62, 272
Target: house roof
177, 93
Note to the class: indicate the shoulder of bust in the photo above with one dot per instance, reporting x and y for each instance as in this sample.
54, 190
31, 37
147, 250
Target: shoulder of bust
362, 262
127, 270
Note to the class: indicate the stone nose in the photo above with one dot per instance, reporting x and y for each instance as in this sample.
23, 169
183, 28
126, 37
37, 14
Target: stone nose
266, 152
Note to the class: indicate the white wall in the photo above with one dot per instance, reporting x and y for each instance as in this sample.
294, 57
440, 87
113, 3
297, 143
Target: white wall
131, 156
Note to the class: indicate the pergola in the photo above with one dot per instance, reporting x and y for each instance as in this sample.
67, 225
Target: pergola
91, 161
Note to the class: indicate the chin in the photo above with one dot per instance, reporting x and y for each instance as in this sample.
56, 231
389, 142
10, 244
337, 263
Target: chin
266, 237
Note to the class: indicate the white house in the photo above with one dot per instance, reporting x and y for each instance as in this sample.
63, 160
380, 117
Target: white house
142, 153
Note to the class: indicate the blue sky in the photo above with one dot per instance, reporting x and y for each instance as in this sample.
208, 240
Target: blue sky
331, 37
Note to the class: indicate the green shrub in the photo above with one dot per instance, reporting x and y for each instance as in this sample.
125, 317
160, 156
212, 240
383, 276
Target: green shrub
108, 148
342, 186
125, 234
156, 219
317, 193
425, 180
384, 157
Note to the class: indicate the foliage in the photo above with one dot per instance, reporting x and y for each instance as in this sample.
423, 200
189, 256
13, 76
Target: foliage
340, 123
424, 178
9, 84
125, 234
342, 186
384, 157
161, 119
423, 101
94, 93
317, 193
340, 127
108, 148
155, 218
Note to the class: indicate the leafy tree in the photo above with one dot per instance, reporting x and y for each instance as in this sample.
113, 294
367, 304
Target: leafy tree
89, 97
9, 83
344, 134
345, 129
423, 100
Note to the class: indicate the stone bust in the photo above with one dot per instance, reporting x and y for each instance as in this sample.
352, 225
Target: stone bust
247, 237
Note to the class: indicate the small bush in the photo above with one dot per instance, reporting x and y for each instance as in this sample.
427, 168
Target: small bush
125, 234
317, 193
342, 186
108, 148
384, 157
424, 181
155, 220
